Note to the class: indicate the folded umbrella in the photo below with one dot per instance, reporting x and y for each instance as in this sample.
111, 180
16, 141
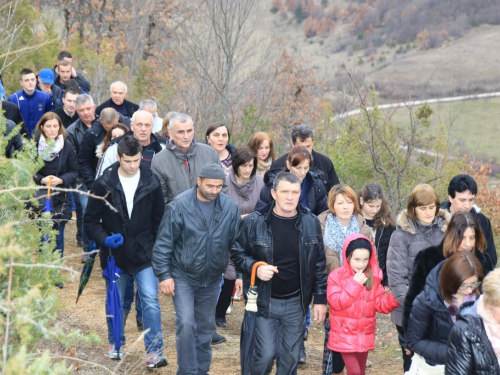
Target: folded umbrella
247, 338
48, 207
113, 303
87, 268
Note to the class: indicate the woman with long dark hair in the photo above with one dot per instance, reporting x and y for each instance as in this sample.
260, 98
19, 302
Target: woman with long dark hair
452, 283
60, 170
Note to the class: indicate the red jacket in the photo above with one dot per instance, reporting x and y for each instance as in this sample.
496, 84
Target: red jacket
353, 307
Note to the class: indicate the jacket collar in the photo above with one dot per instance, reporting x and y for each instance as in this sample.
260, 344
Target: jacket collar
218, 204
405, 223
267, 211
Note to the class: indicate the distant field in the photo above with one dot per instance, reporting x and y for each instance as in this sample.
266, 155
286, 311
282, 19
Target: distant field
476, 125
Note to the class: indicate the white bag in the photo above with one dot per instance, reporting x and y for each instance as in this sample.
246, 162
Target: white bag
420, 367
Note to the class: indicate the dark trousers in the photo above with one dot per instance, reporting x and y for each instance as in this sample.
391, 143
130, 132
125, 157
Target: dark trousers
224, 301
402, 342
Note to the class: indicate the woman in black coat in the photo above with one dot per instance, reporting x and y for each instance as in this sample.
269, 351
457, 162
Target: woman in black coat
449, 285
60, 170
312, 195
473, 345
463, 234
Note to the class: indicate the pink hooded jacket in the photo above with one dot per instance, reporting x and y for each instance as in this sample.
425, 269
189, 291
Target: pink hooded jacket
353, 307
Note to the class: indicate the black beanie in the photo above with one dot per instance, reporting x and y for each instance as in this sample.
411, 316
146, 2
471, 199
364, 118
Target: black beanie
359, 243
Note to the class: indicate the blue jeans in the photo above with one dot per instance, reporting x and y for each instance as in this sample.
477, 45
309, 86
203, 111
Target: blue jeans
279, 336
129, 298
147, 287
194, 324
60, 236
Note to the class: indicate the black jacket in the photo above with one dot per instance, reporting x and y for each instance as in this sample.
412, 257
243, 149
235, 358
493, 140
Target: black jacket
76, 132
430, 322
425, 262
190, 246
15, 143
82, 81
139, 231
56, 93
316, 194
469, 351
255, 243
11, 112
131, 107
319, 162
65, 119
65, 167
382, 238
485, 224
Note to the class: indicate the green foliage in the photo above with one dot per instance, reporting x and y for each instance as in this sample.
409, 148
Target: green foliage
28, 302
44, 57
370, 147
299, 14
251, 122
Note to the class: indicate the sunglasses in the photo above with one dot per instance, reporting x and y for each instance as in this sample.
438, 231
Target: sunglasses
467, 286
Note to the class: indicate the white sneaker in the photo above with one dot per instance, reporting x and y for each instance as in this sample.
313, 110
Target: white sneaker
228, 311
236, 298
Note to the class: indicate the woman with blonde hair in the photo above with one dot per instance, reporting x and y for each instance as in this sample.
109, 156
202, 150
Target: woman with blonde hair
422, 224
262, 144
474, 342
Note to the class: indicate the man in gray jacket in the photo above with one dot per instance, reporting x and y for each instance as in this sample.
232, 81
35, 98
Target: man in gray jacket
180, 163
190, 254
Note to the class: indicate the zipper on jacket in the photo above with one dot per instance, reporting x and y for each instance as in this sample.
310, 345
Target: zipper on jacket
270, 281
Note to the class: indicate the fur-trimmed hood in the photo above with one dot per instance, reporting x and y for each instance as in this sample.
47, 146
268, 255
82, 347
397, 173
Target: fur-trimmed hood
405, 223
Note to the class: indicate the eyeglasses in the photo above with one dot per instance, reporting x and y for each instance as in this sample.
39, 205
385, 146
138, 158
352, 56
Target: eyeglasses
467, 286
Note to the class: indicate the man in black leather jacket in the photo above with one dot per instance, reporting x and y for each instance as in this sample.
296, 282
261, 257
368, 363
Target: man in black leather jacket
288, 237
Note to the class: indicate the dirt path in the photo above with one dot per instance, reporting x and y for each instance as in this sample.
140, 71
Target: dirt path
89, 316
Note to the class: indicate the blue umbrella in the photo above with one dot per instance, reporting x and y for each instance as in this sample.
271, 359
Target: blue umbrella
113, 303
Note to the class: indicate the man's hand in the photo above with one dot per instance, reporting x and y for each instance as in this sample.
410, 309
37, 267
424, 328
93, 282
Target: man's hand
73, 73
319, 313
46, 89
239, 287
167, 287
266, 273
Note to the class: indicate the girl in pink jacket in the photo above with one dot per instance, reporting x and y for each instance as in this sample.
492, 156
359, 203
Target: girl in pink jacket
355, 294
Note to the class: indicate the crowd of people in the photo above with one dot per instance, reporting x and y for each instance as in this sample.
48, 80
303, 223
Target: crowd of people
189, 218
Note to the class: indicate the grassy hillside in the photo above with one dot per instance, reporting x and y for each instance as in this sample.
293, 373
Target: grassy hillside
474, 126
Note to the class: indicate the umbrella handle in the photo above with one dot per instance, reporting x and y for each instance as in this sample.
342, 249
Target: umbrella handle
254, 271
48, 190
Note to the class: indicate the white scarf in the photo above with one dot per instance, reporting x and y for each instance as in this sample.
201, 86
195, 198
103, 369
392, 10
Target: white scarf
45, 150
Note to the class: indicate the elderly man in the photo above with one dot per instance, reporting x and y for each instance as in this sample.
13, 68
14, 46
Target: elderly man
302, 135
141, 128
287, 236
73, 73
118, 101
181, 161
151, 107
67, 113
190, 254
